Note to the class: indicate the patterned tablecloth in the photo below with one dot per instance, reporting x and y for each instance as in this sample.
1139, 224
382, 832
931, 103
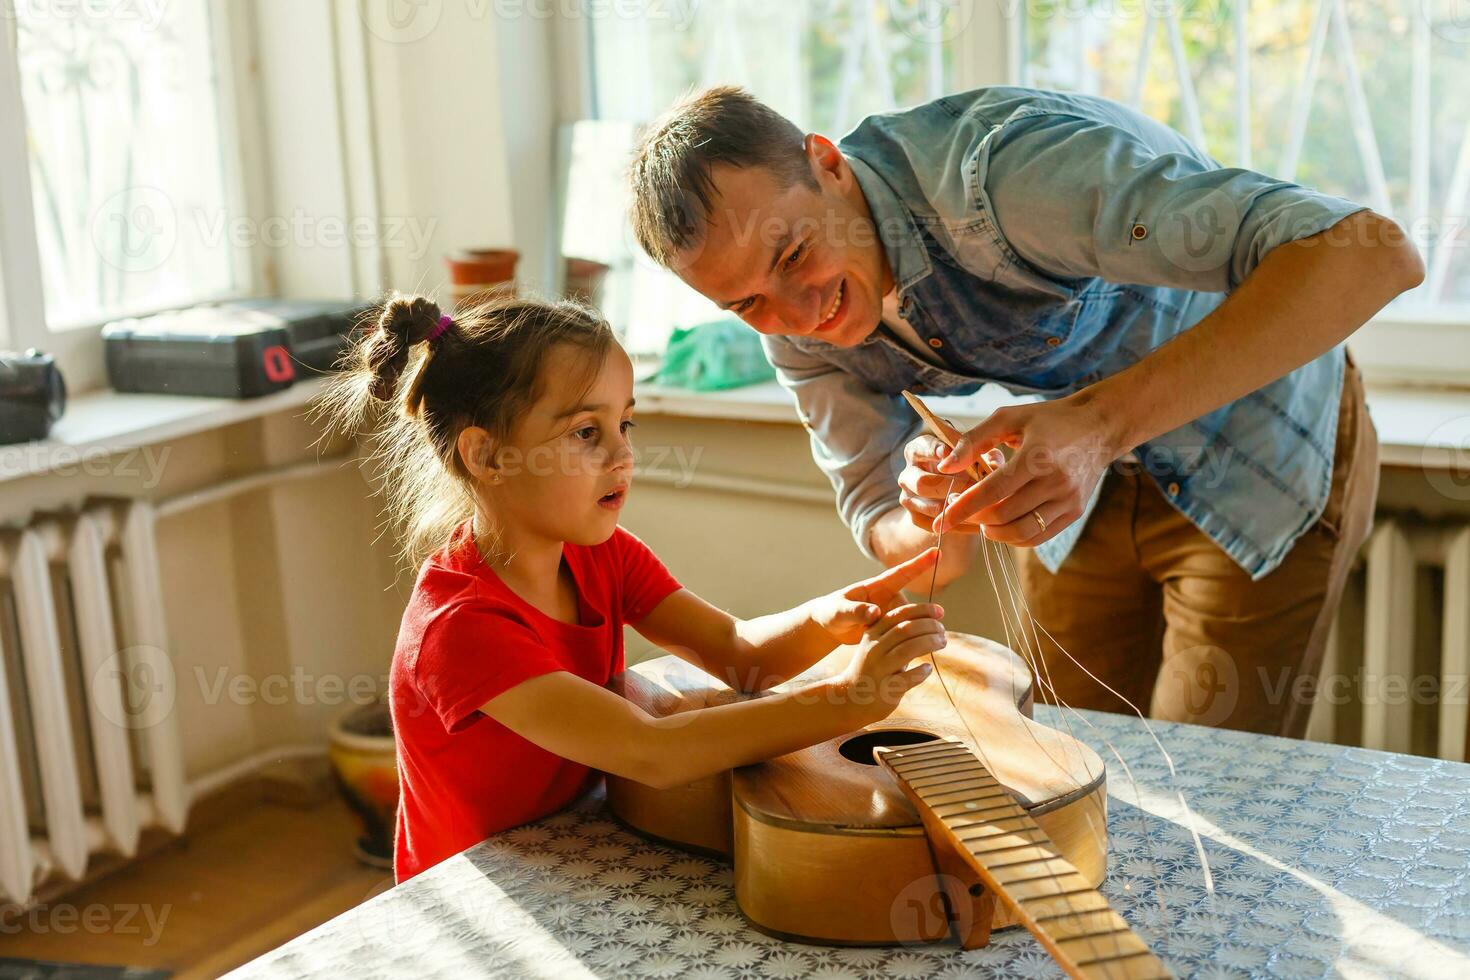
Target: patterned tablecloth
1326, 861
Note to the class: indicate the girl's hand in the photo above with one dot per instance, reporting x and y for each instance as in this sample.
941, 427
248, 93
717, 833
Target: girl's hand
1060, 455
847, 613
879, 676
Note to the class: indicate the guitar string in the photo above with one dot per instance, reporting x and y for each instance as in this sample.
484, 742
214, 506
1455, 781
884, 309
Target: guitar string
1188, 813
1033, 655
1043, 675
1031, 650
1030, 647
1077, 745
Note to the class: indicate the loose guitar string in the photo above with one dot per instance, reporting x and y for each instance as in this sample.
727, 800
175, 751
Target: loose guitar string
1005, 560
1030, 647
1043, 676
1031, 650
1005, 620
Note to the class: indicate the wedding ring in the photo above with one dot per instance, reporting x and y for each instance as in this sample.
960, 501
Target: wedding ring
1039, 520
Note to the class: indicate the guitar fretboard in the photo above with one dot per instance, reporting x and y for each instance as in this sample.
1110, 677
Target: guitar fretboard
1014, 858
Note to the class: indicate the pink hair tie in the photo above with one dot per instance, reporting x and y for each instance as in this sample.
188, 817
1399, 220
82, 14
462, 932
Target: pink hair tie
445, 322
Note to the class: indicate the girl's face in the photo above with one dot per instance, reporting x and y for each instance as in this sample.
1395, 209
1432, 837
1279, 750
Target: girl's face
565, 471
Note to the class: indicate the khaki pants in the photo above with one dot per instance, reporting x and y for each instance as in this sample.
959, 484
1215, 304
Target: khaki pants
1159, 612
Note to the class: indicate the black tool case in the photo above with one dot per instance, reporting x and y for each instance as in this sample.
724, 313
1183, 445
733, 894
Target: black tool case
318, 330
240, 349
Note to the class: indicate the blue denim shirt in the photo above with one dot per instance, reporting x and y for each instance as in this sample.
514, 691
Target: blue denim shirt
1046, 241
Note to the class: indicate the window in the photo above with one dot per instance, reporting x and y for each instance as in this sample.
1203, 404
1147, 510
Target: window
825, 64
127, 182
1358, 98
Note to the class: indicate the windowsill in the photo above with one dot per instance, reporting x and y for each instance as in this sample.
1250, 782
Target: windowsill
1416, 426
99, 423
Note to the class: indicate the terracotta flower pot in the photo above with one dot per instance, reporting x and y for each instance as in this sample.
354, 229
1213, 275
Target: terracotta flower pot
365, 767
477, 274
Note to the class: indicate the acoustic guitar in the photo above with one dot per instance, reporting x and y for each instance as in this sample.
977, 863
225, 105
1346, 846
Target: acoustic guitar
906, 831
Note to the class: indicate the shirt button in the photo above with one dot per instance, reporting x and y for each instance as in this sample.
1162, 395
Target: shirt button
936, 343
1173, 489
1053, 341
1139, 232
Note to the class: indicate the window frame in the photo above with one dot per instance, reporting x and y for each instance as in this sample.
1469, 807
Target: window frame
77, 346
990, 51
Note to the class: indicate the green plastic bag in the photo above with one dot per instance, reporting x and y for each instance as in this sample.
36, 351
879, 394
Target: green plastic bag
712, 356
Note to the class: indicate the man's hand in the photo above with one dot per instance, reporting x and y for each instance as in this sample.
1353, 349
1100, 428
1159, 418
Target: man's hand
847, 613
1061, 450
923, 490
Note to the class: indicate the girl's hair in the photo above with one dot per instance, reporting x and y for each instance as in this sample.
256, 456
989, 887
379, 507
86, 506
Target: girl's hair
482, 368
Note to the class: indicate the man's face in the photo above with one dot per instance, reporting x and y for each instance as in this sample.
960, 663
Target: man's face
793, 260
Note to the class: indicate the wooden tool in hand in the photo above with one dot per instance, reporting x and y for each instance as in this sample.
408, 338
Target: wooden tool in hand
950, 436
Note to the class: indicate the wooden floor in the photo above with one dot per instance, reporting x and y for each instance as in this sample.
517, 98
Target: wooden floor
219, 898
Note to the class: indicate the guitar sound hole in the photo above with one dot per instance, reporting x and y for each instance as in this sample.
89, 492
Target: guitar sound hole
860, 748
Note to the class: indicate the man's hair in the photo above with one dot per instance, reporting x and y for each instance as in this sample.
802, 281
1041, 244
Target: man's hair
673, 191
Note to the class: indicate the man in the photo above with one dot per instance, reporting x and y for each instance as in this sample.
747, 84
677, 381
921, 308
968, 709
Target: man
1187, 498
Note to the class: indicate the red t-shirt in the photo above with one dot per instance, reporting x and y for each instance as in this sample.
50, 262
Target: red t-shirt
465, 638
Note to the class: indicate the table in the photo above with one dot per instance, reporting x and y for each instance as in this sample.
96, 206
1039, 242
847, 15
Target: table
1326, 861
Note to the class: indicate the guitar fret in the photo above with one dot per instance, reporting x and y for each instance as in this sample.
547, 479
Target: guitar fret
1047, 876
979, 843
954, 765
1100, 905
996, 824
1016, 811
956, 808
1117, 957
965, 798
1088, 924
927, 748
1102, 934
929, 784
1045, 855
1047, 896
1013, 867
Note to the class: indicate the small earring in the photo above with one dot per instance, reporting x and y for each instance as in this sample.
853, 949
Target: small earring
495, 478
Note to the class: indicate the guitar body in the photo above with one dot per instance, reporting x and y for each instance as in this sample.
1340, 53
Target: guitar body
826, 845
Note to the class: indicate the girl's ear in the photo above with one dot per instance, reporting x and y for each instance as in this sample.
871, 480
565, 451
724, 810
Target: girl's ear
477, 453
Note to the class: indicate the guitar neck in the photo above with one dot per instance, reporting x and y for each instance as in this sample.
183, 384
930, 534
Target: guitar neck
967, 810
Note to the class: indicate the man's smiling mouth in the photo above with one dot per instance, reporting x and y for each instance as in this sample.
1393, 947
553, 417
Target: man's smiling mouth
836, 304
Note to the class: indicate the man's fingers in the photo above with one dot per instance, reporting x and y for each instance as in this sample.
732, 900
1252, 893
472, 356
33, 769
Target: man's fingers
924, 450
999, 428
989, 491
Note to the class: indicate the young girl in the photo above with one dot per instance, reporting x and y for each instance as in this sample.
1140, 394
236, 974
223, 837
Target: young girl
507, 457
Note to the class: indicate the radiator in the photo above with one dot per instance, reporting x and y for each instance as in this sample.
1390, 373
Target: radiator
1403, 700
78, 775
